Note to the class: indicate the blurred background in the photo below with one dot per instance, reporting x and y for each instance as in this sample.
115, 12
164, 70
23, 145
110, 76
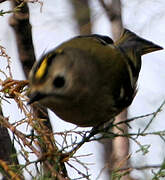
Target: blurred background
57, 21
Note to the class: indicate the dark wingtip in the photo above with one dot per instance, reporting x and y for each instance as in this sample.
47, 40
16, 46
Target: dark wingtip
151, 48
130, 40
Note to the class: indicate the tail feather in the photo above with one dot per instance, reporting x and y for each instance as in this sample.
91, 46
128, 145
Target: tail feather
130, 40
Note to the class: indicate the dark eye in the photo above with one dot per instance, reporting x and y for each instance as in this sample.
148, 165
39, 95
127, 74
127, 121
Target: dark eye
59, 82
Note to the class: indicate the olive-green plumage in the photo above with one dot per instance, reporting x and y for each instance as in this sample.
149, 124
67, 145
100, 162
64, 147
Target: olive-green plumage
89, 79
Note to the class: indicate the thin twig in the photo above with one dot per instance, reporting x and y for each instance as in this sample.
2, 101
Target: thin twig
78, 171
19, 135
156, 166
134, 118
154, 115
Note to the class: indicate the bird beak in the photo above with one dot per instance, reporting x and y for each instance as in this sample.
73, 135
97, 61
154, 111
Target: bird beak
35, 96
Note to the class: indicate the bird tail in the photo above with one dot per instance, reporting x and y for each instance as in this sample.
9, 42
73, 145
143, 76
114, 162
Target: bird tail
131, 41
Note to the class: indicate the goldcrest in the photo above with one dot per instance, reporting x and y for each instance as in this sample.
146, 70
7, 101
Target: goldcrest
89, 79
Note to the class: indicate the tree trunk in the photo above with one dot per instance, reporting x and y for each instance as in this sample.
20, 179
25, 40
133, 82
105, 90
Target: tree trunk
116, 150
82, 15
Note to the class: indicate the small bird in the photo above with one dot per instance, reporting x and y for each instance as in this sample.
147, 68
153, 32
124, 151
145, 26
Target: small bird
89, 79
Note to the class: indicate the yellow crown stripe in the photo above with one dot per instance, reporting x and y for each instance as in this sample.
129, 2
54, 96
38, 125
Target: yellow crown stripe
41, 70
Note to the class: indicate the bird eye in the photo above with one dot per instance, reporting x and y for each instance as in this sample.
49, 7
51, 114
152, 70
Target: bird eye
59, 82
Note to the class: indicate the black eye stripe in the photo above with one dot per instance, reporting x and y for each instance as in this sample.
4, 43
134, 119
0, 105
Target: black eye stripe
50, 59
42, 67
47, 60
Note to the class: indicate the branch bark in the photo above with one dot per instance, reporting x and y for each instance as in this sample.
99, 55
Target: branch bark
19, 21
114, 14
7, 148
82, 15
